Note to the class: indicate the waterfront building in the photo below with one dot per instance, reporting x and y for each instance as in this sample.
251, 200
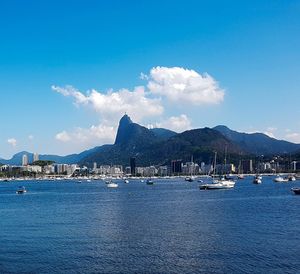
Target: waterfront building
247, 166
25, 160
36, 169
176, 166
36, 157
163, 171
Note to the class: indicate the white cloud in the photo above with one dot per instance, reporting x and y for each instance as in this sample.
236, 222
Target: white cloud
270, 131
85, 137
293, 137
113, 105
12, 142
63, 136
270, 134
183, 85
176, 123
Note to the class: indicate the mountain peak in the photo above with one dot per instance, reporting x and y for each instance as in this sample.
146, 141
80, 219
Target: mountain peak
125, 121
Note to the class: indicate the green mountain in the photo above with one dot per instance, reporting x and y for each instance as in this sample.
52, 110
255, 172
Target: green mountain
157, 148
258, 143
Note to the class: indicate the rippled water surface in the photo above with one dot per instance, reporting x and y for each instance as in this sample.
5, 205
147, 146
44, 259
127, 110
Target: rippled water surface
170, 227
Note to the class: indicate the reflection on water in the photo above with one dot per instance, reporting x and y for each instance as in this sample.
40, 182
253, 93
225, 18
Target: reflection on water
171, 227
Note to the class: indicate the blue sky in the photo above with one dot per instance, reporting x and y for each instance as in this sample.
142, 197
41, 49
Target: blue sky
250, 49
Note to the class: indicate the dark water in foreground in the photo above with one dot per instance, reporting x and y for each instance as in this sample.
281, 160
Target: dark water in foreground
171, 227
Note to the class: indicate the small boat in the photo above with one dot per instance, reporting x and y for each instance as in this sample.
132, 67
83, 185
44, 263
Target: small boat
189, 179
149, 182
126, 181
280, 179
292, 178
142, 181
111, 184
21, 190
296, 190
257, 180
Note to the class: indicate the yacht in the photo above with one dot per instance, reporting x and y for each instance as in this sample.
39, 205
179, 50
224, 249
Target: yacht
21, 190
219, 184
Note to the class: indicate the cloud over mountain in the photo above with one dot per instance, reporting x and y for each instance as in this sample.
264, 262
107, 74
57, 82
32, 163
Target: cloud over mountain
12, 142
113, 104
176, 123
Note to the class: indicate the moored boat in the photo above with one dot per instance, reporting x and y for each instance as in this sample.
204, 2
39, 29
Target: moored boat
280, 179
257, 180
296, 190
189, 179
220, 184
21, 190
291, 178
111, 184
150, 182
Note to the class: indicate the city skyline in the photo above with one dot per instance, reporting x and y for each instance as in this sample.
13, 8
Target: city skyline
66, 83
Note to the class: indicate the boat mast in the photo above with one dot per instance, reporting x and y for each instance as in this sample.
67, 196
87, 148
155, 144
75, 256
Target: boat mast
215, 163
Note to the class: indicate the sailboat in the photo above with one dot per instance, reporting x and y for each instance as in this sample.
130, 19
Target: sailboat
190, 178
222, 183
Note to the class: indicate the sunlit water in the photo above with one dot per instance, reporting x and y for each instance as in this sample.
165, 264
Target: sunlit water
170, 227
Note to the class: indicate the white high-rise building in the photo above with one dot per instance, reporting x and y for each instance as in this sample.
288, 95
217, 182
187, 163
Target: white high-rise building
35, 157
25, 160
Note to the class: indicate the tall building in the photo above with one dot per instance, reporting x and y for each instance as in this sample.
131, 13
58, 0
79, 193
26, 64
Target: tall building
247, 166
132, 165
36, 157
25, 160
176, 166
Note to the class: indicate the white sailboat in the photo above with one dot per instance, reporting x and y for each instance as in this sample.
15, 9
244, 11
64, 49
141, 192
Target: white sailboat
222, 183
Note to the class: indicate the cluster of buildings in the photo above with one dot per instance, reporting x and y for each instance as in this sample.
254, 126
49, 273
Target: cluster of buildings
175, 168
34, 167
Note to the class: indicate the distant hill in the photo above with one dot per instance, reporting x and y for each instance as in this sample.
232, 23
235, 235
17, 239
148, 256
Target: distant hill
258, 143
69, 159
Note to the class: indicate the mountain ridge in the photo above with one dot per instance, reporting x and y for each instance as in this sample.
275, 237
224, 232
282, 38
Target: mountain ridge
160, 146
258, 143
